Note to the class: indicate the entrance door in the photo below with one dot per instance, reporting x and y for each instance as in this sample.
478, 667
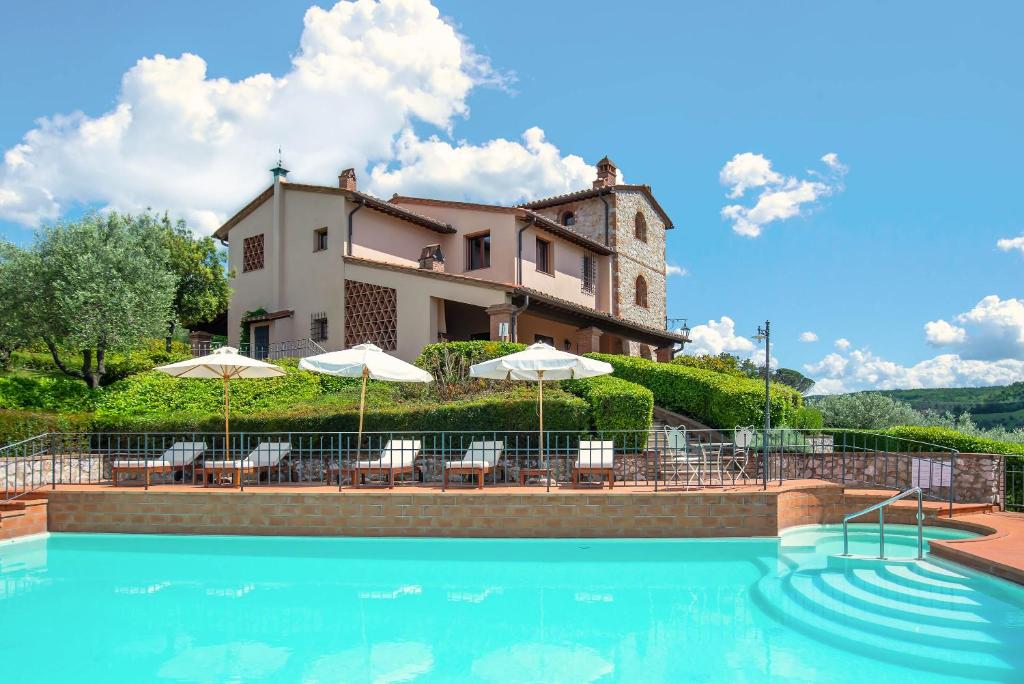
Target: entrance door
260, 341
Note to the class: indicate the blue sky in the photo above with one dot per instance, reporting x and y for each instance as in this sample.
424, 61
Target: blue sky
921, 103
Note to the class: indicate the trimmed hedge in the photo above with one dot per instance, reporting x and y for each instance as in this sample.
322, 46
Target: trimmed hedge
721, 401
615, 404
916, 438
18, 425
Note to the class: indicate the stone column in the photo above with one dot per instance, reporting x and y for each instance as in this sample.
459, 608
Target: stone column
664, 354
588, 340
501, 313
199, 341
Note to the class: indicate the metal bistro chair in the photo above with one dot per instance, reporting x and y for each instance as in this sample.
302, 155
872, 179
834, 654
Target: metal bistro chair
739, 458
681, 458
711, 462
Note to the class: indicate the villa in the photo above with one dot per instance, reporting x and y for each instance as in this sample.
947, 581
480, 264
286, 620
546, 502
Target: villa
583, 271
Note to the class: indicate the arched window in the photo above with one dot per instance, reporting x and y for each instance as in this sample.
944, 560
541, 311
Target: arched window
568, 219
640, 227
641, 292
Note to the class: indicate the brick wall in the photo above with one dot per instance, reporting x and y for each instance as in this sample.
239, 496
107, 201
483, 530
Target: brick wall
23, 518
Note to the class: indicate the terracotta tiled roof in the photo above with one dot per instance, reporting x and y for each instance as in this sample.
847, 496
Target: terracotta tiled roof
593, 316
594, 192
368, 201
541, 222
601, 315
271, 316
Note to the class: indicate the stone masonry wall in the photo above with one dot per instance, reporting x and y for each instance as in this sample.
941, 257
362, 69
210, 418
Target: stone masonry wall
635, 258
977, 478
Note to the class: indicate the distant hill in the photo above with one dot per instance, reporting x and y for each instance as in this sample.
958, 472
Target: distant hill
990, 406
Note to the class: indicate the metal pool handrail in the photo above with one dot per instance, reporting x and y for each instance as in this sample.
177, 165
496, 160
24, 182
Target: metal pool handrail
880, 507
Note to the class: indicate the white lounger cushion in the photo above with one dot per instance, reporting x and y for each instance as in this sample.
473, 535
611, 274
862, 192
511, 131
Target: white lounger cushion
481, 455
396, 454
595, 455
179, 455
266, 455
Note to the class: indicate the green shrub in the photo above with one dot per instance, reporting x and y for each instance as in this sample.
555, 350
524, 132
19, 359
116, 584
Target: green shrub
153, 395
19, 425
720, 401
505, 411
45, 392
119, 365
915, 438
807, 418
615, 404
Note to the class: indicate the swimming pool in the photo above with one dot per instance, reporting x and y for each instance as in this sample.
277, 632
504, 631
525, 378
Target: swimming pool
127, 608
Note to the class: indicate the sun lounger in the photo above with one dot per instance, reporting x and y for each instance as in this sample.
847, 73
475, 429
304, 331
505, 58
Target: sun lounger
396, 458
479, 460
264, 457
178, 457
595, 458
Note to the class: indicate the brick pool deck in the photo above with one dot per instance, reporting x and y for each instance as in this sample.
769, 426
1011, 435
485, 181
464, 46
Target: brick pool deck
502, 511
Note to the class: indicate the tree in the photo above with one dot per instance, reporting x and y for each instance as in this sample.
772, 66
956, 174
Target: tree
96, 285
864, 411
13, 332
795, 379
202, 290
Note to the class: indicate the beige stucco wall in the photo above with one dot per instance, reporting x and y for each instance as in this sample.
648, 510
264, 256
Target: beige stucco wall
251, 290
417, 307
529, 326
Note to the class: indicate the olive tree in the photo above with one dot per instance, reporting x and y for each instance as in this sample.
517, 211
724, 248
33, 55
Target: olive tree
13, 332
95, 285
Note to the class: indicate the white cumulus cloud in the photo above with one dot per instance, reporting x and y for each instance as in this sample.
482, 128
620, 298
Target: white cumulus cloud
715, 337
1009, 244
941, 333
808, 336
364, 73
673, 270
781, 197
842, 343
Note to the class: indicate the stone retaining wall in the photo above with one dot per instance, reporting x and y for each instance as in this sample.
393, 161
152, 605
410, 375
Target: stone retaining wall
977, 478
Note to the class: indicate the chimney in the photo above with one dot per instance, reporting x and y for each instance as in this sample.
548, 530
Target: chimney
347, 180
432, 259
605, 173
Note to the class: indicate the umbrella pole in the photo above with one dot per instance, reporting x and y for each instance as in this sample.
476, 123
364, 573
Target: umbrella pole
227, 423
359, 435
543, 452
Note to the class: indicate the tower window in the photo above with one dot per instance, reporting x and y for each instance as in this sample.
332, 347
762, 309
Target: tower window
640, 227
641, 292
319, 239
569, 219
318, 327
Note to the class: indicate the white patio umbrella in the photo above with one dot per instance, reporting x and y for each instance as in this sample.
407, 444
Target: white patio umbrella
540, 362
224, 364
369, 362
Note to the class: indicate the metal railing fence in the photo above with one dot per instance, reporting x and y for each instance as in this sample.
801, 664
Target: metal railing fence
267, 352
659, 459
1013, 483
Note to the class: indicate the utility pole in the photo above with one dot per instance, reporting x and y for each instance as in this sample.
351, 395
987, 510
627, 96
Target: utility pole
765, 334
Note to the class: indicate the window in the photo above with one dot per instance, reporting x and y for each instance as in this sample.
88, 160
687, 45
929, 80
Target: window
569, 219
640, 227
545, 339
567, 345
478, 251
252, 253
318, 327
589, 273
320, 239
544, 256
641, 292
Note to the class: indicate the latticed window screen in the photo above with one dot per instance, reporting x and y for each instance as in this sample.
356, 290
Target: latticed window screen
318, 327
252, 253
589, 273
371, 315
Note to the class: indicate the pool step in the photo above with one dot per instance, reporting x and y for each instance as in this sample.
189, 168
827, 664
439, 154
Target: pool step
898, 606
778, 599
909, 577
872, 580
835, 606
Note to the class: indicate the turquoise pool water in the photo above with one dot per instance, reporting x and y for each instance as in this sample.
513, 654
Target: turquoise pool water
109, 608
